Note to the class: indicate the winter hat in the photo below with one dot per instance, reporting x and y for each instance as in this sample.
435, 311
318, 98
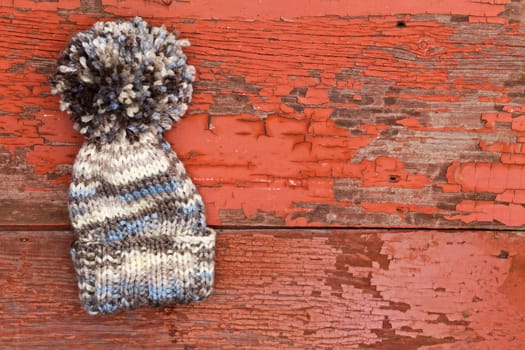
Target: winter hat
140, 224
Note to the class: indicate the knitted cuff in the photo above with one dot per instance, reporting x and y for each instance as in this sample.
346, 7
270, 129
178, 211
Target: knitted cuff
144, 271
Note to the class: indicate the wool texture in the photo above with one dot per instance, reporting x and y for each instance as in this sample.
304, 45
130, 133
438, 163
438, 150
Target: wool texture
141, 233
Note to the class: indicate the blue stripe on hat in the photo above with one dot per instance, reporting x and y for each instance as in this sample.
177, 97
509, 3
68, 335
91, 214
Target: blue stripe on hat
166, 187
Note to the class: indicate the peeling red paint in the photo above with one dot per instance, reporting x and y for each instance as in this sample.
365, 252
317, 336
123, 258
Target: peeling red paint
388, 114
481, 11
397, 208
512, 287
47, 160
297, 122
482, 211
292, 289
17, 132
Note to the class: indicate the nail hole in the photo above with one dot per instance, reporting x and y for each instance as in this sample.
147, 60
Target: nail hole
393, 178
503, 254
401, 24
24, 239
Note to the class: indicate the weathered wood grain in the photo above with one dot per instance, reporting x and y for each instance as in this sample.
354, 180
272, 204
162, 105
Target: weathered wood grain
340, 113
349, 120
263, 9
320, 289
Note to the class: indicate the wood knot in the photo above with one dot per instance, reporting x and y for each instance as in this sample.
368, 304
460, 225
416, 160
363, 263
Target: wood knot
428, 47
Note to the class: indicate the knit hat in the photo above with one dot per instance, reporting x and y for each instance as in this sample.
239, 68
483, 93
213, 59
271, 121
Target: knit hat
140, 224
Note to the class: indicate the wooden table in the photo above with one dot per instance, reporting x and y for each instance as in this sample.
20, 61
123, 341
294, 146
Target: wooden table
363, 163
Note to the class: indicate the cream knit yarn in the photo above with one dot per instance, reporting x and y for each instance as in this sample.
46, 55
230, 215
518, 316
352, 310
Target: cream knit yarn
140, 223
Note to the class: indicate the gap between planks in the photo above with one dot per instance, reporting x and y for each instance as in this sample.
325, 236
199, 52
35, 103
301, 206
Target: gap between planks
262, 228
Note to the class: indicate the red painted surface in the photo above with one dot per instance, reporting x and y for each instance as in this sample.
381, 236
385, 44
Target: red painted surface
274, 9
290, 289
46, 159
387, 114
292, 127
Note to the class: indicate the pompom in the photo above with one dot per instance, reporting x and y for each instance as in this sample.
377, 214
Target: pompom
121, 79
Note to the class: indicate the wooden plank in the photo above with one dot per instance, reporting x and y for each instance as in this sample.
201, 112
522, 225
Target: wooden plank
412, 120
264, 9
315, 289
